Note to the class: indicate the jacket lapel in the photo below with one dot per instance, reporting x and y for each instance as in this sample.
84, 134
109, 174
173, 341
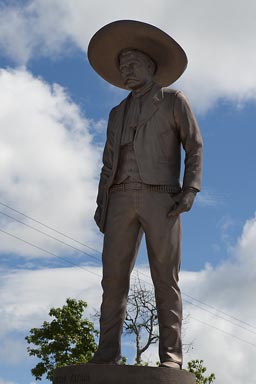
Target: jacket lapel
150, 105
118, 125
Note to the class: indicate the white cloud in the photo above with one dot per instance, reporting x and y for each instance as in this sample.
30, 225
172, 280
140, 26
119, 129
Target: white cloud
230, 287
218, 38
228, 291
221, 325
42, 289
246, 250
48, 166
33, 28
38, 291
207, 199
2, 381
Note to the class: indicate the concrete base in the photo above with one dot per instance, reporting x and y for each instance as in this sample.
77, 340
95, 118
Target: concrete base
120, 374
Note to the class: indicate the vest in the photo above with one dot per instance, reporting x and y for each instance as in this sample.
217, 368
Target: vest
127, 170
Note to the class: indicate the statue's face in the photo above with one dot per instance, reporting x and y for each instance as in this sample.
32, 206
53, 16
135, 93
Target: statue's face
136, 69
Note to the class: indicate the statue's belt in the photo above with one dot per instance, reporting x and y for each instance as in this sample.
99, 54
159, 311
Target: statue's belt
150, 187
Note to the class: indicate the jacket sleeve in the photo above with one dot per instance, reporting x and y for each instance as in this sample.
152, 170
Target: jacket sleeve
191, 140
106, 170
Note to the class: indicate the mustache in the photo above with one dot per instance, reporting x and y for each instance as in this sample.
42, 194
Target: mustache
130, 78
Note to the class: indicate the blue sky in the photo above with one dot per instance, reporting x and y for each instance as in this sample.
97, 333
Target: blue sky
53, 117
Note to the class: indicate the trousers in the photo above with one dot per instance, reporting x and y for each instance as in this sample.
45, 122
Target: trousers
130, 213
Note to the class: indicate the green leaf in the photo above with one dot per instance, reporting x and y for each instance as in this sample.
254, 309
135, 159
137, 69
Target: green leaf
68, 339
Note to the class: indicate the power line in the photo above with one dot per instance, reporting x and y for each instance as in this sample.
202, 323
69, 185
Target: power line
47, 251
221, 330
219, 310
50, 236
54, 238
96, 274
214, 314
212, 307
49, 227
95, 250
220, 317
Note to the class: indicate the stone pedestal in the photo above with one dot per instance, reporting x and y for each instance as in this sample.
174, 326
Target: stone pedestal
120, 374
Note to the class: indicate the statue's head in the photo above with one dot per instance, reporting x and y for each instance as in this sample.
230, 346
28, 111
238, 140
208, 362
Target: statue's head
123, 44
136, 68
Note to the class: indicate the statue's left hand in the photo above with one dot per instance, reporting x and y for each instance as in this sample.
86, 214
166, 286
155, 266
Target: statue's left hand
183, 202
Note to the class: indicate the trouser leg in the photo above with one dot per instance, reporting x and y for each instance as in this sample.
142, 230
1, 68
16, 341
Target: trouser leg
163, 238
121, 241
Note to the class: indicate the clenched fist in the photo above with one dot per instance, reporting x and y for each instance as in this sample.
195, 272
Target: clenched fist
183, 202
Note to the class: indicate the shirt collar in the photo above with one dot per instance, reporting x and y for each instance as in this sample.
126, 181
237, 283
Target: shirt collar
147, 87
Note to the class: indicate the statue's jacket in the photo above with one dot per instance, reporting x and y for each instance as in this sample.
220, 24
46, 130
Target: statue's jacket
166, 123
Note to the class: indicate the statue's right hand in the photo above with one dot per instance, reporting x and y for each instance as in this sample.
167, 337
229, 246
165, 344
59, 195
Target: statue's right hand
183, 202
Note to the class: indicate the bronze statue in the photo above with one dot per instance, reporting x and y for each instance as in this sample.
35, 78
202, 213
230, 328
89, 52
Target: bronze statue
139, 189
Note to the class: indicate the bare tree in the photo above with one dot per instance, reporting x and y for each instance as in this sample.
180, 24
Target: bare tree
141, 318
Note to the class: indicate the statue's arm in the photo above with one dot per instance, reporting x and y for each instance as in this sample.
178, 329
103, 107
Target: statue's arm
191, 140
107, 160
192, 143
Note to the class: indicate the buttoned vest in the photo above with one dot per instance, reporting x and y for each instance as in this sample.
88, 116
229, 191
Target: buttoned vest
128, 170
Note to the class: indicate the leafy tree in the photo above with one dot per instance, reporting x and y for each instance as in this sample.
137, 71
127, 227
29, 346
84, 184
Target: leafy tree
196, 367
67, 339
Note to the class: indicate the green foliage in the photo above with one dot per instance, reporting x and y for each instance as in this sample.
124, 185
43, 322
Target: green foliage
67, 339
123, 360
141, 364
196, 367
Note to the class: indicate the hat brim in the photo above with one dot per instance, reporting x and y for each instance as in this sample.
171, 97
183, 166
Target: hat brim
107, 44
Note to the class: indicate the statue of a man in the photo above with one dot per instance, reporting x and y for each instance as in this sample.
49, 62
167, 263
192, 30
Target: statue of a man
139, 189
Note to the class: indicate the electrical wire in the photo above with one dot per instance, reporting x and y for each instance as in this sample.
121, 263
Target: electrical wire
94, 257
219, 316
221, 330
212, 307
47, 251
50, 236
220, 311
96, 274
49, 227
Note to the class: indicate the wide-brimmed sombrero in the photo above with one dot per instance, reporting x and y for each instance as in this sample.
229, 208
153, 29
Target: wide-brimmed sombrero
107, 44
